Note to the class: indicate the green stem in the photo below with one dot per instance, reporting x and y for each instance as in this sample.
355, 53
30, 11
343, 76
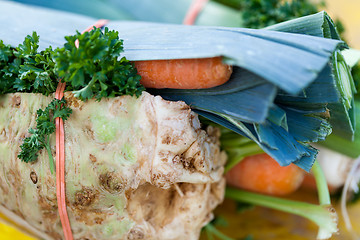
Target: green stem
211, 229
236, 155
209, 233
233, 140
321, 184
323, 215
51, 159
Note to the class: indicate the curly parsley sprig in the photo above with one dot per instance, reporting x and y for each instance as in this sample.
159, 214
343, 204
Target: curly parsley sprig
94, 70
6, 75
45, 126
24, 69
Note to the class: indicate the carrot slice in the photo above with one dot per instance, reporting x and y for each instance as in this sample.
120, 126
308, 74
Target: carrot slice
183, 73
194, 10
261, 173
60, 155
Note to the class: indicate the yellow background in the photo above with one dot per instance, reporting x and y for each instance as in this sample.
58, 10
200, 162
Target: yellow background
348, 11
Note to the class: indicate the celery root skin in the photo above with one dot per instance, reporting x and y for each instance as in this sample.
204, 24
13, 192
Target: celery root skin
136, 168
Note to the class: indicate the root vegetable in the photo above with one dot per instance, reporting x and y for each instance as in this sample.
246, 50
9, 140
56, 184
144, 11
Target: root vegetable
127, 160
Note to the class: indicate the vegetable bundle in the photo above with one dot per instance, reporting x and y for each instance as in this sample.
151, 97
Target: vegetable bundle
255, 113
273, 96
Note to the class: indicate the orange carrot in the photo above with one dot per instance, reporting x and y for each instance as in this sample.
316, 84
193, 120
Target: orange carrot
261, 173
183, 73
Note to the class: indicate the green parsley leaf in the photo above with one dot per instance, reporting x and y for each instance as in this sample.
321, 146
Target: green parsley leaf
6, 56
31, 146
24, 69
45, 126
94, 70
37, 70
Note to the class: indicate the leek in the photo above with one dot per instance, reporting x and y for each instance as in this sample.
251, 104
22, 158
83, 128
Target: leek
318, 24
342, 112
338, 76
272, 139
147, 41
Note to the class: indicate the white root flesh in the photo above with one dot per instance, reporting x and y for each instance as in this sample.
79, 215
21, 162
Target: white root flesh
336, 166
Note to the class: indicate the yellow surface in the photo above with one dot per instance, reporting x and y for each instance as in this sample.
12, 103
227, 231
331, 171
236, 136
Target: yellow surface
265, 223
10, 233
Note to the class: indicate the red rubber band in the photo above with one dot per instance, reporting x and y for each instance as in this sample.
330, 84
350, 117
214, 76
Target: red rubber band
194, 10
60, 154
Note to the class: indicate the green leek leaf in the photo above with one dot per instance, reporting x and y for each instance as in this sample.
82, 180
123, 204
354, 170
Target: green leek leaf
342, 112
337, 78
249, 105
319, 25
278, 116
272, 139
305, 127
314, 98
